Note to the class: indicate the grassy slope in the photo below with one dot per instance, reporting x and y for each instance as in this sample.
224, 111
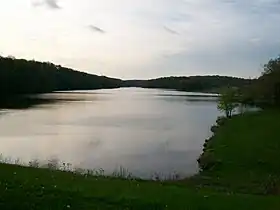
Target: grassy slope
246, 147
42, 189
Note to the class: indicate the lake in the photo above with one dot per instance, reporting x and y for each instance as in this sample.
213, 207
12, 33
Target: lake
146, 131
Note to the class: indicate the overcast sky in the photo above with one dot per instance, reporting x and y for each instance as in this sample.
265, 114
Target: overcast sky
144, 38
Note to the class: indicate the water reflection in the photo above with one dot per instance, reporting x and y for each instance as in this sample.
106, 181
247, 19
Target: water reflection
142, 130
23, 102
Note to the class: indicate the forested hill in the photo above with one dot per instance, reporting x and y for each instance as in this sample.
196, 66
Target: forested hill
19, 76
191, 84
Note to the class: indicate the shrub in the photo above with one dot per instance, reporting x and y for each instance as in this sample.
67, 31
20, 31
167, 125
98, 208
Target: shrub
207, 161
221, 120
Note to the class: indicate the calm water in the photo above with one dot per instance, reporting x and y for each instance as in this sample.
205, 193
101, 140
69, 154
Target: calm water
145, 131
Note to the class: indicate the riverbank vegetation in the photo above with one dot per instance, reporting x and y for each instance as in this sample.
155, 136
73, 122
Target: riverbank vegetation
36, 188
265, 91
243, 154
228, 101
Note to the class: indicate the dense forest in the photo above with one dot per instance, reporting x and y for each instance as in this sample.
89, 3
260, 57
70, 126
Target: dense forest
192, 83
19, 76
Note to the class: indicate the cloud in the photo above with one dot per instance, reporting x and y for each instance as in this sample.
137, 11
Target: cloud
96, 29
156, 37
171, 31
255, 40
52, 4
36, 3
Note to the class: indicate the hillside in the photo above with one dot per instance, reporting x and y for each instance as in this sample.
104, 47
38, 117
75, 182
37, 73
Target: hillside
191, 84
19, 76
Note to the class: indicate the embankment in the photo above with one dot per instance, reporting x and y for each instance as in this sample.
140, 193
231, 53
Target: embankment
243, 154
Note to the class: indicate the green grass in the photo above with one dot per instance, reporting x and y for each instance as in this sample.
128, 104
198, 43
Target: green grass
246, 153
246, 150
30, 188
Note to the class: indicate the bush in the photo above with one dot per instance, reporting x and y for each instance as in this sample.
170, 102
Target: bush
221, 120
214, 128
207, 161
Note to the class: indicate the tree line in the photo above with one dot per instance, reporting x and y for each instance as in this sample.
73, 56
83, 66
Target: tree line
20, 76
191, 84
264, 92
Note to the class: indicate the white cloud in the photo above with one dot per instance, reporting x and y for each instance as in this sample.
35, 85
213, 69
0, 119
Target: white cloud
145, 38
96, 29
52, 4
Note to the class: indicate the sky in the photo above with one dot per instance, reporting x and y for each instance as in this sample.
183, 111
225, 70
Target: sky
144, 38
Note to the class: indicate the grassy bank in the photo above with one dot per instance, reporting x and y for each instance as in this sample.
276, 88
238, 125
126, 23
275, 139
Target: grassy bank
243, 160
29, 188
243, 155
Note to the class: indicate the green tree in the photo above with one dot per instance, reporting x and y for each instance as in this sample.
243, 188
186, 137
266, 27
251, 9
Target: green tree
20, 76
228, 101
264, 92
